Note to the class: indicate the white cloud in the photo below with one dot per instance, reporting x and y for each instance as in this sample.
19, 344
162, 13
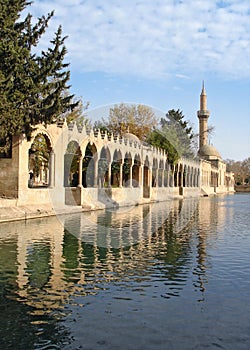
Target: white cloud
157, 38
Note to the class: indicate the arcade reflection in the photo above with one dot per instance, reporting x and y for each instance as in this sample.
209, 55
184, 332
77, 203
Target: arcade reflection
46, 263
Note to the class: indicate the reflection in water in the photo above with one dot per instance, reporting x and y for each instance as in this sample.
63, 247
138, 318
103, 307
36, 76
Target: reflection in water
47, 264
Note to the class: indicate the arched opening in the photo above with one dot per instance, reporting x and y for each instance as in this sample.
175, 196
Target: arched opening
198, 178
71, 164
89, 171
116, 169
104, 168
161, 174
180, 179
171, 175
185, 176
166, 174
180, 175
188, 176
176, 175
155, 173
191, 177
127, 171
146, 185
136, 171
40, 164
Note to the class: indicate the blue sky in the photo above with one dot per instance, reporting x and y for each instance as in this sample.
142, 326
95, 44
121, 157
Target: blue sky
158, 53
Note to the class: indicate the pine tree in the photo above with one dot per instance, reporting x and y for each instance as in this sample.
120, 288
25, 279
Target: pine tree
175, 136
33, 87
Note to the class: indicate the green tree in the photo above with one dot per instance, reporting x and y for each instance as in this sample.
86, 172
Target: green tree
78, 114
241, 170
32, 86
164, 139
175, 136
136, 119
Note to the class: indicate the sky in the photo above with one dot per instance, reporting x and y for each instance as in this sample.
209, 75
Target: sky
158, 53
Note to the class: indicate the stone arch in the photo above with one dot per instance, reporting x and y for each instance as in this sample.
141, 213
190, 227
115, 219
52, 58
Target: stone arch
176, 171
41, 161
166, 174
195, 178
116, 169
136, 171
89, 166
161, 173
180, 175
198, 178
185, 176
171, 175
155, 173
191, 176
104, 167
188, 176
71, 164
127, 170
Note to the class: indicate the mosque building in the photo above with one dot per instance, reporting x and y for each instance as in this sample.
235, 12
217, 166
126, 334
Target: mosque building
215, 178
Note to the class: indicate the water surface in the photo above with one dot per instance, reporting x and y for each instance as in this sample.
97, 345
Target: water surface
172, 275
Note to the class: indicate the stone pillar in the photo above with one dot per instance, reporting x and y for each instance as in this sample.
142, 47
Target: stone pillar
80, 172
120, 175
167, 175
162, 177
156, 177
181, 178
131, 175
52, 169
95, 159
109, 174
172, 177
141, 175
41, 170
150, 176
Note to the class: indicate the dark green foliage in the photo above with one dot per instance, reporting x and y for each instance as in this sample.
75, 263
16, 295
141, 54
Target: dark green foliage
32, 86
159, 139
175, 136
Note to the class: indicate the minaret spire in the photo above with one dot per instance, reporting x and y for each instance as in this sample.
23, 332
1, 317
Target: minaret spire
203, 98
203, 115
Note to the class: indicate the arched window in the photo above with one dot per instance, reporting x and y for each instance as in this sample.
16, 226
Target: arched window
88, 166
39, 162
71, 164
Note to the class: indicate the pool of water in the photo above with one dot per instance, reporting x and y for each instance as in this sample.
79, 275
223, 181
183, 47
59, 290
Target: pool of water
172, 275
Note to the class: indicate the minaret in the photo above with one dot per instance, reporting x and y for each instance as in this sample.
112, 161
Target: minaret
203, 115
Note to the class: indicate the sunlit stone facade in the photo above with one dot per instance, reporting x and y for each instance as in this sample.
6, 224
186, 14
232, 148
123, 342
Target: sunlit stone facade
84, 167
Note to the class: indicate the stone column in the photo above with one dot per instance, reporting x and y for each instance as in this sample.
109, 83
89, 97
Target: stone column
131, 175
80, 172
141, 175
95, 160
181, 184
52, 169
150, 176
120, 175
109, 174
162, 177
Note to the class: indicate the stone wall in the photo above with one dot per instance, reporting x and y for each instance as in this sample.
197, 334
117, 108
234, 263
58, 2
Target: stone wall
242, 188
9, 173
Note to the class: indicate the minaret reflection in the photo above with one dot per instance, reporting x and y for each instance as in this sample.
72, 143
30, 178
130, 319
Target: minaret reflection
212, 216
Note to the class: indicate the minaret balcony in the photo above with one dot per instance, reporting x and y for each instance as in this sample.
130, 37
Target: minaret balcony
204, 113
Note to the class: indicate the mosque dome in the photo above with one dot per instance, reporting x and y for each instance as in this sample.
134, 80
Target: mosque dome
131, 137
209, 151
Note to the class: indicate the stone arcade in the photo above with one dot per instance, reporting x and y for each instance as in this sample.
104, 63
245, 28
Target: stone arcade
90, 169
